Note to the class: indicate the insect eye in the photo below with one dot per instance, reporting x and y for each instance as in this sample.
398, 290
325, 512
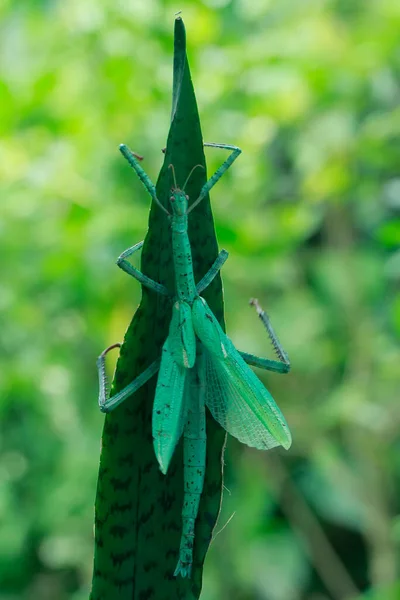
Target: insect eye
172, 199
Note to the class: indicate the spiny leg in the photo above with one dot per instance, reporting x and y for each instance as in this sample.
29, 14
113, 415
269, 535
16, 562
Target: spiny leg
131, 270
218, 173
212, 272
108, 404
279, 366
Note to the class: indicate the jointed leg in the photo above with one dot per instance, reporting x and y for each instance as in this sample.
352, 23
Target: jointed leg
218, 173
212, 272
132, 159
108, 404
279, 366
131, 270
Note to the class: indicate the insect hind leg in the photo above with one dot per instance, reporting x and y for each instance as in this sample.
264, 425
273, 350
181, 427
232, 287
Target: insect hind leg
106, 403
279, 366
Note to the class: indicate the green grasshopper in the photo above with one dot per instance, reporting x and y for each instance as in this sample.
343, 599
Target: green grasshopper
199, 365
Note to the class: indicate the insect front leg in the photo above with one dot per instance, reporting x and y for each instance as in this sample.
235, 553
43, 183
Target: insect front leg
107, 404
218, 173
279, 366
132, 159
131, 270
212, 272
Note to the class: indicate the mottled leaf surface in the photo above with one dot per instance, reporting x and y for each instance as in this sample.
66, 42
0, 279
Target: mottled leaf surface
138, 510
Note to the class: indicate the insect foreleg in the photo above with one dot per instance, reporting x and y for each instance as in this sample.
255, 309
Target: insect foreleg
218, 173
131, 270
279, 366
212, 272
108, 404
132, 159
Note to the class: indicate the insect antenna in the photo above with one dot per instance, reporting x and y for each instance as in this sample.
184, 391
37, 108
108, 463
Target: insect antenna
222, 528
190, 174
173, 175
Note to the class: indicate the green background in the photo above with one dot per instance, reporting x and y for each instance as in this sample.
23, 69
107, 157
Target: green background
310, 214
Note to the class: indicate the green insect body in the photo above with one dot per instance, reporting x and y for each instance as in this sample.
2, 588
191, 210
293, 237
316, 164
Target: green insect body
199, 367
138, 511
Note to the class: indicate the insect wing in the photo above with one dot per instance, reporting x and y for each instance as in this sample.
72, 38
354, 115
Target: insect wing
170, 407
236, 397
241, 404
182, 341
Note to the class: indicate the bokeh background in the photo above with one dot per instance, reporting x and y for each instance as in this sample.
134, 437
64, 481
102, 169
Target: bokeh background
310, 214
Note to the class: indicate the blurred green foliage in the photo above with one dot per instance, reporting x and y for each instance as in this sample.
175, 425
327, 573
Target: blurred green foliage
311, 216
